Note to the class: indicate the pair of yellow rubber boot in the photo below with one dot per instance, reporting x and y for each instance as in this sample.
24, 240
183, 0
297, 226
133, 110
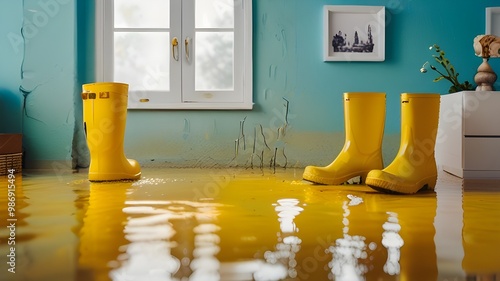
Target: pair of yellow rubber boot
413, 168
104, 117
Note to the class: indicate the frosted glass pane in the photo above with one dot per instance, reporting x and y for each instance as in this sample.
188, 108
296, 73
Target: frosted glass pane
214, 62
214, 13
142, 13
142, 60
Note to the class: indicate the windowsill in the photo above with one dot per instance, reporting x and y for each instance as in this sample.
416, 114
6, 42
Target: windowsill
192, 106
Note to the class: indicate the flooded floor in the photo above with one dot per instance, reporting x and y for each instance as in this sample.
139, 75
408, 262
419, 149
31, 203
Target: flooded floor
243, 224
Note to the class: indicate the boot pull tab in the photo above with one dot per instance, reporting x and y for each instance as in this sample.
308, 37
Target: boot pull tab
86, 95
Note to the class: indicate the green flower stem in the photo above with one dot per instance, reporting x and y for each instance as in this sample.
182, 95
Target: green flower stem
450, 74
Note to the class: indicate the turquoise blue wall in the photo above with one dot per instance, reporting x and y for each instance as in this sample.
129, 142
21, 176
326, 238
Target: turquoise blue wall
43, 80
11, 55
290, 80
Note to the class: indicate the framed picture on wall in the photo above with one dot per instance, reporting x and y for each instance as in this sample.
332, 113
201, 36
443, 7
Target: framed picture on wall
354, 33
493, 21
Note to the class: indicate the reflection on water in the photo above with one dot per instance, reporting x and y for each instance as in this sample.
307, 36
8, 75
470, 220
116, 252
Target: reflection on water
481, 235
44, 241
101, 219
251, 227
281, 262
349, 249
414, 216
393, 242
150, 230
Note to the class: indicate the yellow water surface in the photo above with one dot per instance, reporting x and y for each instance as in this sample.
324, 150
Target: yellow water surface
243, 224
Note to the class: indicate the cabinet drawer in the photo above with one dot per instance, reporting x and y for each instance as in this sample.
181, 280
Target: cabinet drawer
481, 153
481, 113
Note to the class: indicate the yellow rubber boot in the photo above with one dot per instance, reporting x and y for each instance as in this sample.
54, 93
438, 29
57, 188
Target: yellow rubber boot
414, 166
364, 120
104, 117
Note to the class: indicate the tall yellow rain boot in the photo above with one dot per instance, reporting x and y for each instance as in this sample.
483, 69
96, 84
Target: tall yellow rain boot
364, 120
414, 167
104, 117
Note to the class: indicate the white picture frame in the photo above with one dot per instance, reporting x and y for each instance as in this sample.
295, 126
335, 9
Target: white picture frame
341, 25
493, 21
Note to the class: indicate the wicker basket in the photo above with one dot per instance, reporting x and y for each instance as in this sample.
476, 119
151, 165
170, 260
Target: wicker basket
11, 161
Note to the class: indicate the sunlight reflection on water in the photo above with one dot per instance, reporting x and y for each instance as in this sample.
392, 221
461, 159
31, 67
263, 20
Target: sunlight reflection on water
251, 227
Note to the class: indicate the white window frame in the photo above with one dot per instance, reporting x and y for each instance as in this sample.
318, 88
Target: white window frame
104, 57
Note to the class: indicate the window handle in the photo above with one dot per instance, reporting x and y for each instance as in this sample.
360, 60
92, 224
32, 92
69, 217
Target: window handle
175, 48
186, 47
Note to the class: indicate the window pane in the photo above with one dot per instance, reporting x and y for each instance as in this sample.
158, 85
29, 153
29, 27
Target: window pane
141, 59
142, 13
214, 61
214, 13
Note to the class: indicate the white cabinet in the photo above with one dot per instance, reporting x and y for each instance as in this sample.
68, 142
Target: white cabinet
468, 139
